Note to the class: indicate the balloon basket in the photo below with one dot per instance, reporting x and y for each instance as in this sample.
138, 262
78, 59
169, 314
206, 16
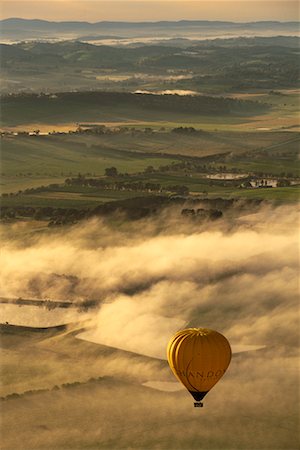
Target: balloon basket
198, 405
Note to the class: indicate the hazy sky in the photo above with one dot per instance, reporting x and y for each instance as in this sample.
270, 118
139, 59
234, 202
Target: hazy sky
134, 10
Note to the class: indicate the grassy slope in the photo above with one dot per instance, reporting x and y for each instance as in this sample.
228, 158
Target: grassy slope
36, 161
274, 158
45, 364
198, 144
52, 155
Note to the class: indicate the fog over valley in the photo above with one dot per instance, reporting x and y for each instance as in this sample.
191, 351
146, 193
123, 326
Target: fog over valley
154, 278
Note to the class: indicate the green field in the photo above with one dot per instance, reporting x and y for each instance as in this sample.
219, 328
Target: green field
62, 199
54, 157
236, 141
61, 155
33, 161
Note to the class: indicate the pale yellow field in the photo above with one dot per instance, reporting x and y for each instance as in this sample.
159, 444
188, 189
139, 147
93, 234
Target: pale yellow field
43, 127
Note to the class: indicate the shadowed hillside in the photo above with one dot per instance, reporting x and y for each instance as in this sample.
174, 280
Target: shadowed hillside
93, 106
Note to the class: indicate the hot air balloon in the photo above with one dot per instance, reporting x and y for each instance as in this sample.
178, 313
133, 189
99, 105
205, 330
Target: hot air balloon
198, 357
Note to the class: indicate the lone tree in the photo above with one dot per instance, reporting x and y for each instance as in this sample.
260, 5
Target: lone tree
149, 169
111, 172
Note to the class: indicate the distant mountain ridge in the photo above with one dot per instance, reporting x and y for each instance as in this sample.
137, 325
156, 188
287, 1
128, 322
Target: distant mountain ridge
46, 23
22, 29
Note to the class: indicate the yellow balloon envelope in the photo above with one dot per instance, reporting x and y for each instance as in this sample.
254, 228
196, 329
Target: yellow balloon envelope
198, 358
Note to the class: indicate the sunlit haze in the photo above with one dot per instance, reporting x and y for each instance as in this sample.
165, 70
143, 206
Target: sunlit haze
244, 10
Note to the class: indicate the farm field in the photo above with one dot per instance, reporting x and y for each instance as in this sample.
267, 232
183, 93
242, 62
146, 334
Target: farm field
59, 199
54, 155
204, 190
33, 162
155, 141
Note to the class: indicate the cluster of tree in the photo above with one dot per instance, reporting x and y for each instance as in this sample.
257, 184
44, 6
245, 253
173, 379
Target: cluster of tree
82, 180
88, 101
200, 213
66, 216
138, 186
28, 191
54, 215
91, 129
47, 174
179, 189
191, 166
112, 172
265, 75
186, 130
133, 209
283, 183
56, 387
175, 167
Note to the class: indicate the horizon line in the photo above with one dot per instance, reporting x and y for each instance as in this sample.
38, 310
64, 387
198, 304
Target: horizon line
150, 21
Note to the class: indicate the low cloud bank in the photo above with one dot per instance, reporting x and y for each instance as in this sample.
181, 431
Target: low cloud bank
239, 277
